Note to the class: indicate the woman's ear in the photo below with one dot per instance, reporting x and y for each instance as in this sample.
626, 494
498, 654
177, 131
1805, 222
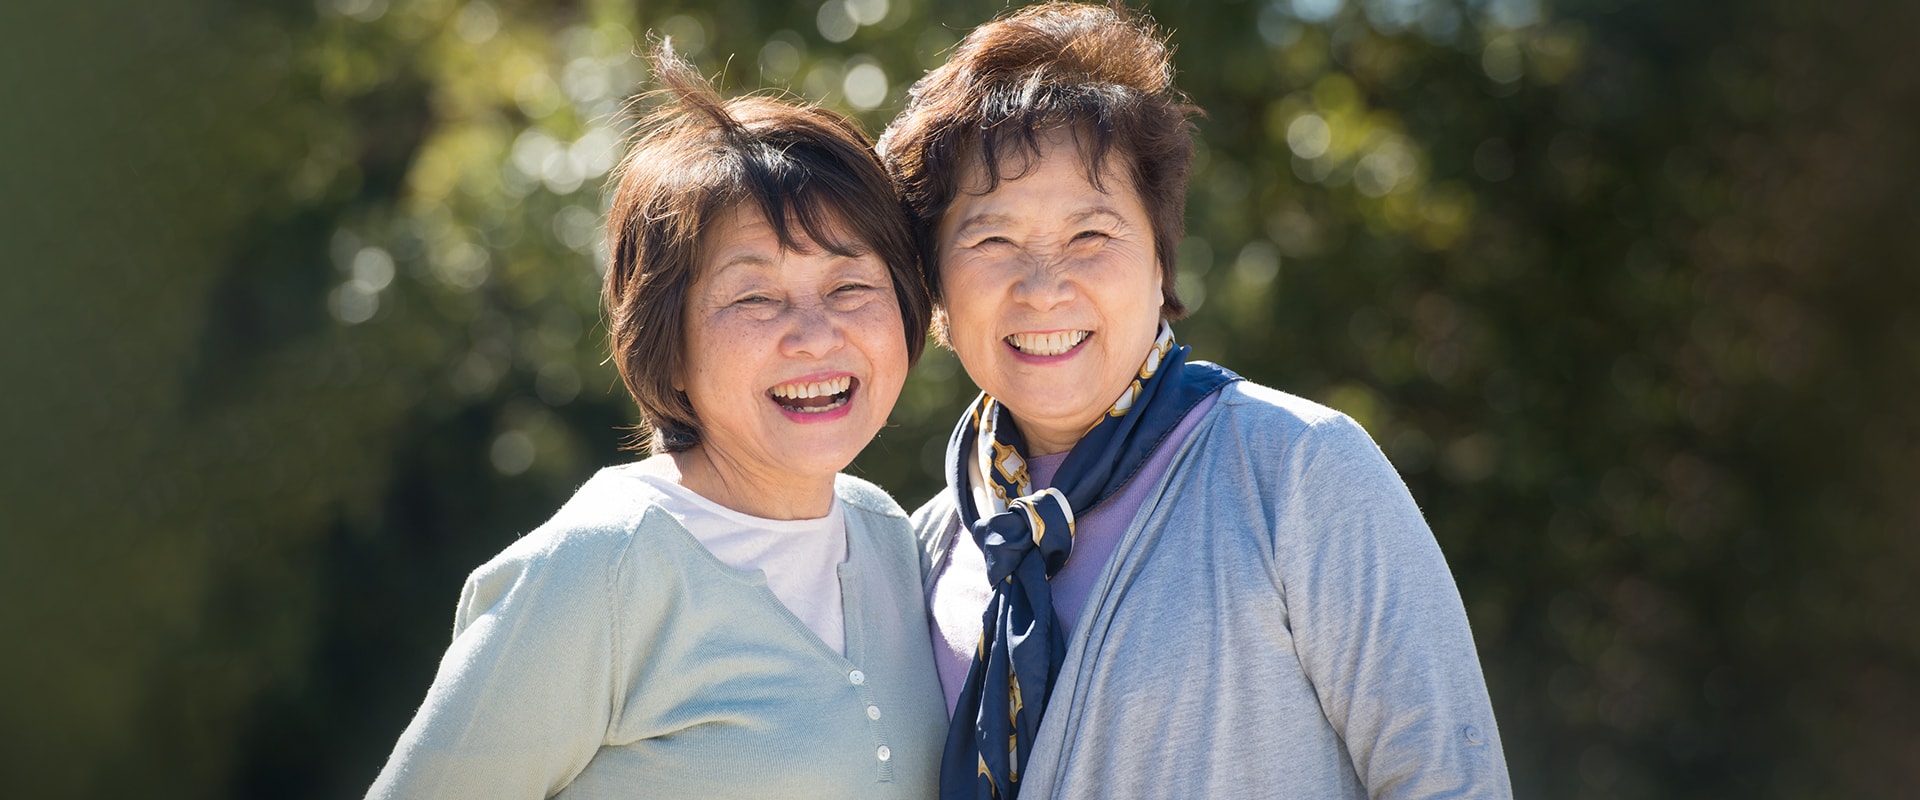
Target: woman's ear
939, 327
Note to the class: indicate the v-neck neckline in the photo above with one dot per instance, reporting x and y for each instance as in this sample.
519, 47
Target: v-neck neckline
755, 580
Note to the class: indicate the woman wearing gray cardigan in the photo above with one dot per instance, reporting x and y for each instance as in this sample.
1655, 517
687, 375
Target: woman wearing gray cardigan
1148, 577
730, 617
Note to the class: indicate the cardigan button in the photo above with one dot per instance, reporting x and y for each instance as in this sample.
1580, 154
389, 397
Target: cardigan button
857, 677
873, 712
885, 753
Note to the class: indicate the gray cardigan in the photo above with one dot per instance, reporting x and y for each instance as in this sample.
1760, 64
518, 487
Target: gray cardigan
609, 654
1277, 621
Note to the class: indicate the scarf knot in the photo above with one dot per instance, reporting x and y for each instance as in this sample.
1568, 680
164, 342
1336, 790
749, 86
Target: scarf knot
1041, 522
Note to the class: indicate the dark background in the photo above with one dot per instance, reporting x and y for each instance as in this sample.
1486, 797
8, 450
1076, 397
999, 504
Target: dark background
300, 325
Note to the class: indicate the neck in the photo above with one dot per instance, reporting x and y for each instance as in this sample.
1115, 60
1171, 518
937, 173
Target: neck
755, 490
1046, 442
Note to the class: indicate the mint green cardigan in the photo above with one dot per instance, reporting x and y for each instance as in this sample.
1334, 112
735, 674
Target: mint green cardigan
608, 654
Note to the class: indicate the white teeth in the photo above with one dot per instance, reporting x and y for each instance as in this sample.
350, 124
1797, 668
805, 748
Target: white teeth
1047, 344
802, 391
819, 409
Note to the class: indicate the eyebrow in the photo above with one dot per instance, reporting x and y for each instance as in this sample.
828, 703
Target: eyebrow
742, 260
978, 221
716, 275
754, 260
986, 220
1094, 211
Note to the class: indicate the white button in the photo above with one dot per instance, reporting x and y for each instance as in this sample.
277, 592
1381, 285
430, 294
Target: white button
884, 753
873, 712
857, 677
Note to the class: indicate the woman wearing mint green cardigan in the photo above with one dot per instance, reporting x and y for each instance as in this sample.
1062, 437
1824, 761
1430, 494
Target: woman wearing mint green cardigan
730, 617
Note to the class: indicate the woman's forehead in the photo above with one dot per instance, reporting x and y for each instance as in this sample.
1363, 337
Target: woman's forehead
807, 228
742, 239
1015, 155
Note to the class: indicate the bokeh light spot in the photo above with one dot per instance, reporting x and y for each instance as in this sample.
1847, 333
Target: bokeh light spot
1258, 264
865, 86
575, 227
688, 34
353, 303
835, 23
477, 22
781, 56
1309, 135
373, 268
866, 12
362, 10
512, 453
1501, 60
1317, 11
824, 79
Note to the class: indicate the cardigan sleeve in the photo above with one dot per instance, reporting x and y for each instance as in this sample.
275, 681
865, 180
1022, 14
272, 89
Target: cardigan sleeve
523, 698
1378, 623
933, 528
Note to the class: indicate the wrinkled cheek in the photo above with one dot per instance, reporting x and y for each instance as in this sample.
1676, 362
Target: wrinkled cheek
968, 321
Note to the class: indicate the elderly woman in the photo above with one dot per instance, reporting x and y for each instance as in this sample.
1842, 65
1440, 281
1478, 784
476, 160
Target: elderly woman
730, 617
1149, 577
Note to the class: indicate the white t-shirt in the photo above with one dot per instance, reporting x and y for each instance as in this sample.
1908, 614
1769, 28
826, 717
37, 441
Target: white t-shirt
800, 557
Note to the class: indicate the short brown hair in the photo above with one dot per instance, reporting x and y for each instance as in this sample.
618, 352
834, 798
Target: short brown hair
697, 156
1101, 71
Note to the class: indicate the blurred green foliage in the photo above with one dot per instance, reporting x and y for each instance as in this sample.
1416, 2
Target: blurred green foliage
301, 324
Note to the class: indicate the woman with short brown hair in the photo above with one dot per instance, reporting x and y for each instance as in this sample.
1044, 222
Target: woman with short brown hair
731, 617
1149, 577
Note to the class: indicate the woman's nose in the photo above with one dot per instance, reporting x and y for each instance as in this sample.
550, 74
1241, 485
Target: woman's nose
813, 331
1041, 286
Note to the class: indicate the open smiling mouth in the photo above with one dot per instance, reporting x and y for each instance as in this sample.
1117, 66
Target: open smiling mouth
1047, 344
816, 397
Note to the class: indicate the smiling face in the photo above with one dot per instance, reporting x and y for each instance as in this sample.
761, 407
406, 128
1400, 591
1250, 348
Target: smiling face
1051, 289
793, 359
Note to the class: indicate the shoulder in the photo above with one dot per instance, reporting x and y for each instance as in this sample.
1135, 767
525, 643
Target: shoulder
933, 525
873, 517
1283, 457
587, 540
1270, 422
938, 512
1246, 399
936, 516
860, 494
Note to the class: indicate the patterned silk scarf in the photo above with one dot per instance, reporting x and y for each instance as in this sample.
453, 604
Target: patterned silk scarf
1026, 537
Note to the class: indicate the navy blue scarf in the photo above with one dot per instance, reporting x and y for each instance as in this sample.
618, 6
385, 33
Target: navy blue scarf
1026, 537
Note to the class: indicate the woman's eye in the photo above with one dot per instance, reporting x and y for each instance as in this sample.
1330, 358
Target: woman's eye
1089, 235
753, 300
992, 240
850, 288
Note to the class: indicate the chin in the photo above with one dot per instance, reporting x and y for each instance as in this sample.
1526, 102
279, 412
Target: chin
1050, 395
825, 454
1028, 406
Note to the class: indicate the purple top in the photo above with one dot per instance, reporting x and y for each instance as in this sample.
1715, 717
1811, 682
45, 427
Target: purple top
960, 590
